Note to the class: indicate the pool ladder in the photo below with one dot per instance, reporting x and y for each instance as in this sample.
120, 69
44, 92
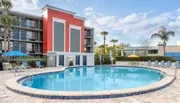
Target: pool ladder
30, 78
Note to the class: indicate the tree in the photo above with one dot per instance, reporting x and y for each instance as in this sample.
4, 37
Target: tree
101, 47
164, 35
104, 34
145, 44
114, 41
5, 5
8, 21
95, 43
120, 46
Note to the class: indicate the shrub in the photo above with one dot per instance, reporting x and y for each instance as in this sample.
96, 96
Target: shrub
97, 60
107, 60
145, 58
30, 59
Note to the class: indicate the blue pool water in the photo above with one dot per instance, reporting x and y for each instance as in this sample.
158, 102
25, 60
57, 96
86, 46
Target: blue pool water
95, 78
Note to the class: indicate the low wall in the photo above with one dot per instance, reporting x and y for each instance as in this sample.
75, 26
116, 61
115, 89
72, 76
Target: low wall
126, 63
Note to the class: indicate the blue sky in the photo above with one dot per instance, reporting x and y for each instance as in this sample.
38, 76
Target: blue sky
125, 20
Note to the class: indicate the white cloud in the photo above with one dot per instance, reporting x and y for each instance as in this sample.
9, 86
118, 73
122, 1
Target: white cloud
134, 26
27, 6
88, 11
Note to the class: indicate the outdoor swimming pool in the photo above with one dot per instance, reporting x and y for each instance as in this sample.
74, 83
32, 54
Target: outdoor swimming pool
94, 78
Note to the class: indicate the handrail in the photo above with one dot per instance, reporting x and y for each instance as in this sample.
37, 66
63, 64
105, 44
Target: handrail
29, 74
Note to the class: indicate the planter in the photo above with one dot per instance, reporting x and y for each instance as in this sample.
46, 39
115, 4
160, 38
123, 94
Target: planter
5, 66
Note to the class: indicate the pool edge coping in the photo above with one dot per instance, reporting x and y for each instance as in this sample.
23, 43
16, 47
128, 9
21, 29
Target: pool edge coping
13, 85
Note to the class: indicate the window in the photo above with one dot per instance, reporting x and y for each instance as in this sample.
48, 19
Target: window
1, 29
15, 46
77, 59
23, 47
29, 47
23, 35
87, 32
15, 34
23, 22
31, 23
31, 35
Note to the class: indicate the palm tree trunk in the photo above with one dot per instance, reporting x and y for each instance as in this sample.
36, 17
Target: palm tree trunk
113, 50
104, 44
9, 35
164, 45
5, 50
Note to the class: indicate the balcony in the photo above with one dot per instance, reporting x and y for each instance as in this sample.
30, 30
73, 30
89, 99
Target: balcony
88, 45
87, 36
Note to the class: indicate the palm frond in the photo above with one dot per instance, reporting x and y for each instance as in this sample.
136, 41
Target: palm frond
156, 35
5, 4
163, 28
170, 33
104, 33
162, 32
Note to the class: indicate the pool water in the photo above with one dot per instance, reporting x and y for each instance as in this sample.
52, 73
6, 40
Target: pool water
96, 78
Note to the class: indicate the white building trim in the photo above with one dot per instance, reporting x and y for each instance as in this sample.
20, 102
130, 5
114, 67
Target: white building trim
74, 27
60, 21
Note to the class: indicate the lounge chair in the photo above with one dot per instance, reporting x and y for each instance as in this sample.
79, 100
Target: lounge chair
168, 64
38, 64
25, 64
155, 64
149, 62
9, 67
177, 65
162, 64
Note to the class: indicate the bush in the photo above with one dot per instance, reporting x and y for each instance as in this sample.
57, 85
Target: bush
107, 60
30, 59
145, 58
97, 60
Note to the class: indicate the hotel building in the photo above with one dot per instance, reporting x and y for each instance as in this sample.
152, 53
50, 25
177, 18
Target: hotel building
60, 34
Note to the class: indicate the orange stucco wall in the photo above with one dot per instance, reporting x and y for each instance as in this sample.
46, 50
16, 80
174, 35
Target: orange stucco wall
47, 29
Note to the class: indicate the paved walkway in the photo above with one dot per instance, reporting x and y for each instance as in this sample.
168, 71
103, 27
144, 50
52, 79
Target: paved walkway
170, 94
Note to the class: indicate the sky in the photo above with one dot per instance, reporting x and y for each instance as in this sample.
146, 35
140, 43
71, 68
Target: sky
129, 21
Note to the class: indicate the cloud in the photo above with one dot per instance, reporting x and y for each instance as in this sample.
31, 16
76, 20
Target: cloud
88, 11
26, 6
131, 27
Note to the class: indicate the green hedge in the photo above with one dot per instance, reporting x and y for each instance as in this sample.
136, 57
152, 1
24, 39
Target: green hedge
30, 59
106, 60
145, 58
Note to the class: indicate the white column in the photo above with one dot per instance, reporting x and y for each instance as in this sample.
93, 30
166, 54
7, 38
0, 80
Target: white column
122, 52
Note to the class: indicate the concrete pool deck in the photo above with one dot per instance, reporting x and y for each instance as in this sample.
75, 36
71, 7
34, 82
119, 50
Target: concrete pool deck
166, 95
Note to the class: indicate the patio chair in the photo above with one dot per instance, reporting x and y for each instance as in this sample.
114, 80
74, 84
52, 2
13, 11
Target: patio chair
149, 62
177, 65
25, 64
38, 64
168, 64
9, 67
155, 64
162, 64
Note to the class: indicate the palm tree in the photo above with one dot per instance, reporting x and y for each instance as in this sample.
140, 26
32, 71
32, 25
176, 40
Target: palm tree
104, 34
114, 41
101, 46
5, 5
163, 35
8, 21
